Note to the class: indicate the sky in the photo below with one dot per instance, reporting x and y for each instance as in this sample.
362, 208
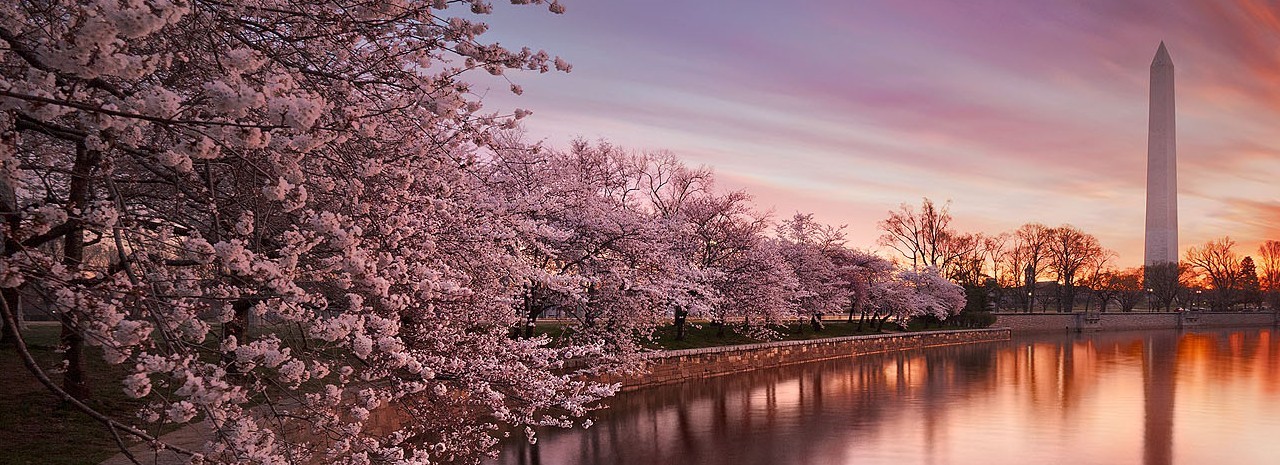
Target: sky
1014, 111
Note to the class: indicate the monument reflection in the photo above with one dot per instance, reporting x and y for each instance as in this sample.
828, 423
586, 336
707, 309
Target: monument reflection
1143, 397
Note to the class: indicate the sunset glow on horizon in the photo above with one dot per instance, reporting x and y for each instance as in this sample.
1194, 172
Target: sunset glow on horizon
1014, 111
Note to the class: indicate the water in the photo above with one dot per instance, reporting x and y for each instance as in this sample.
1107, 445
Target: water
1157, 397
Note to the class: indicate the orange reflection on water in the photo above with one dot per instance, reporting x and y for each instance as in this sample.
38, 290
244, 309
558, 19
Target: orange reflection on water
1144, 397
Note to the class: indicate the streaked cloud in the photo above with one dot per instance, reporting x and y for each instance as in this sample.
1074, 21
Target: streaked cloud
1016, 111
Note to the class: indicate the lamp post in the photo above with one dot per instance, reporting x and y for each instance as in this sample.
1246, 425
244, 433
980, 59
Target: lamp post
1029, 278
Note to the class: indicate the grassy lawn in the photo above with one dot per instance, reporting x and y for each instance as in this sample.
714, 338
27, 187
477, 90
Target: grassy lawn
707, 335
703, 334
34, 427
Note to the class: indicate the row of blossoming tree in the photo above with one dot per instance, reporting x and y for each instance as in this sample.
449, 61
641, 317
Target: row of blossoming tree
293, 220
623, 238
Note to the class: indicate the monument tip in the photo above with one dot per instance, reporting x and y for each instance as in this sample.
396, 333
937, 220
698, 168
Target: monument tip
1162, 57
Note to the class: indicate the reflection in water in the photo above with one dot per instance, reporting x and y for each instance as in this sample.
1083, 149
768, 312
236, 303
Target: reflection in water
1145, 397
1158, 373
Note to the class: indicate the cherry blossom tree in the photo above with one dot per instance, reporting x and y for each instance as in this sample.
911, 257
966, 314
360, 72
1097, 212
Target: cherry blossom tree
859, 270
808, 247
756, 289
890, 297
683, 201
287, 195
744, 277
932, 294
671, 185
295, 221
595, 250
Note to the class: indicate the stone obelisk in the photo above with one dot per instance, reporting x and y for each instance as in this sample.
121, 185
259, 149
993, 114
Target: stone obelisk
1162, 166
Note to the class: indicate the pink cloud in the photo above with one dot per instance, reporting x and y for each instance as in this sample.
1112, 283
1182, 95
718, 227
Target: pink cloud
1017, 111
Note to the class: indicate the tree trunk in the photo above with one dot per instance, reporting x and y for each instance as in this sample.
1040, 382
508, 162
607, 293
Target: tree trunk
531, 315
681, 315
9, 212
74, 380
1066, 303
236, 328
14, 301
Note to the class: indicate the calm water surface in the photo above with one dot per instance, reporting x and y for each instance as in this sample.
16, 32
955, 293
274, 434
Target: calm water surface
1205, 397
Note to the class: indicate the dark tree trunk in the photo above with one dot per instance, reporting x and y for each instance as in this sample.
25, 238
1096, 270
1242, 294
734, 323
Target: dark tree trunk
237, 328
530, 322
74, 380
531, 319
9, 213
681, 314
1068, 298
531, 312
14, 303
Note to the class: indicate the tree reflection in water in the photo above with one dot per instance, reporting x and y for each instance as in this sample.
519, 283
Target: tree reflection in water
1095, 398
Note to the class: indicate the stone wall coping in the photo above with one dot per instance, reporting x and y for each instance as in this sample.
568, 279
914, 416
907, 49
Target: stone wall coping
802, 342
1135, 313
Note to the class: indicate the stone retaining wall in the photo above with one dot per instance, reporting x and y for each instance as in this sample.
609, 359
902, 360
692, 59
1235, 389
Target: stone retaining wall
1078, 322
1210, 319
681, 365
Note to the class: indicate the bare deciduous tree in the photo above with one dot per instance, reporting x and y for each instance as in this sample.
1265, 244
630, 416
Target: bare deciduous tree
1028, 256
922, 237
1269, 267
1069, 250
1219, 267
1126, 288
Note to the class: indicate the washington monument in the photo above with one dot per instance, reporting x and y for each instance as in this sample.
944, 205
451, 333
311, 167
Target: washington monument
1162, 166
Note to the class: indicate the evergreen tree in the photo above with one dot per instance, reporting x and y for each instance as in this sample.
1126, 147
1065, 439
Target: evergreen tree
1250, 288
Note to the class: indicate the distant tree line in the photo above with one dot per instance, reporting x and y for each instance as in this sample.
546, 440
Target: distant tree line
1040, 268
